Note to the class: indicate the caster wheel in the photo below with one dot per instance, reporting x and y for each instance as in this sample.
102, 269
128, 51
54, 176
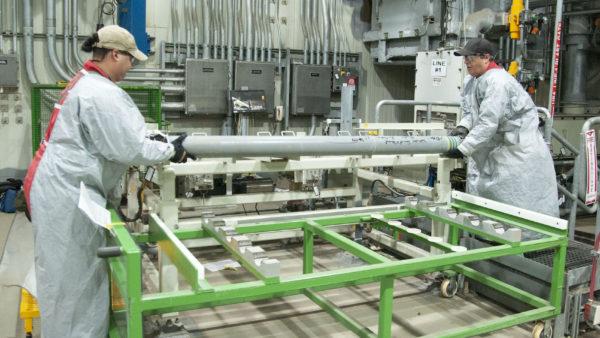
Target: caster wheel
540, 331
448, 288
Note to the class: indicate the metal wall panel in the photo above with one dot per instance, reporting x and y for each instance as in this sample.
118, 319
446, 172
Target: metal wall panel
256, 76
311, 89
206, 86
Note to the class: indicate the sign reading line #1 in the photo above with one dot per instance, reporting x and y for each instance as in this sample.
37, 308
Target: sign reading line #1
438, 67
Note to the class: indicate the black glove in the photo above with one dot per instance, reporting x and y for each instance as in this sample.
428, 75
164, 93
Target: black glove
460, 131
158, 137
454, 153
181, 155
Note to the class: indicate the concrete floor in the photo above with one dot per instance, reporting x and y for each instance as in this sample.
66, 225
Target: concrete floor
418, 307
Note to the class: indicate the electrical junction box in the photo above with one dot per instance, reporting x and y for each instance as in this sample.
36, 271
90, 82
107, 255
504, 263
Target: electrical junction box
439, 77
311, 89
9, 71
340, 76
256, 76
206, 86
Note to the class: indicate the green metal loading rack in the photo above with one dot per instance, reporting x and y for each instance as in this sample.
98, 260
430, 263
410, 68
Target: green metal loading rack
126, 269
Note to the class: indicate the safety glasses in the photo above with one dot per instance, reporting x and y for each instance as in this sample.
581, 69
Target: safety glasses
131, 58
470, 58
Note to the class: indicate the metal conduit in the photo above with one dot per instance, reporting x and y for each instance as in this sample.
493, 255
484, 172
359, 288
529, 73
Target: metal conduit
156, 70
173, 106
205, 30
304, 31
51, 39
332, 18
325, 14
188, 28
28, 41
75, 22
240, 27
222, 30
315, 26
196, 27
249, 30
287, 146
310, 31
215, 28
256, 29
269, 29
172, 89
155, 79
67, 37
14, 38
261, 28
1, 30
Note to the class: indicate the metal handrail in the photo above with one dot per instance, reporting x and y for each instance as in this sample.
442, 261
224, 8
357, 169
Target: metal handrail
413, 103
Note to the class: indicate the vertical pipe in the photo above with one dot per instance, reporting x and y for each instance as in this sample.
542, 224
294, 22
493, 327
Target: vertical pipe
215, 28
1, 29
14, 39
261, 24
51, 39
332, 17
428, 118
315, 25
174, 30
304, 32
249, 30
75, 22
255, 32
223, 30
205, 30
28, 40
310, 31
325, 14
240, 27
230, 29
66, 30
279, 37
269, 33
196, 27
288, 71
188, 29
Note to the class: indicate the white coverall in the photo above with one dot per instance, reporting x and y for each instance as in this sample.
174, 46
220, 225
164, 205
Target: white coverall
98, 132
508, 160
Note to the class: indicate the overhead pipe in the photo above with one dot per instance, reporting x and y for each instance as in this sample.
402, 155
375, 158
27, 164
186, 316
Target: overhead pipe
249, 30
66, 30
205, 30
51, 39
196, 27
293, 146
317, 31
28, 41
304, 30
325, 11
75, 23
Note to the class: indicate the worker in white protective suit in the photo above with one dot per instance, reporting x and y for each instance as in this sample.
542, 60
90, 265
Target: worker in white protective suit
508, 160
94, 134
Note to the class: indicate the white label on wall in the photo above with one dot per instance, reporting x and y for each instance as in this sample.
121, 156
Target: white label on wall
590, 150
438, 67
437, 81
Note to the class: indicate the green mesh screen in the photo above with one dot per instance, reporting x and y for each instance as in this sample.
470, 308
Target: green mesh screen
43, 98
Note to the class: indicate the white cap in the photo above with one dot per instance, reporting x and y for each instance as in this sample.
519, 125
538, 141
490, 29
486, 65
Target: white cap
116, 37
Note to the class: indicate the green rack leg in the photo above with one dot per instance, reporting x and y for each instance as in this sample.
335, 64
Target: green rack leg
386, 302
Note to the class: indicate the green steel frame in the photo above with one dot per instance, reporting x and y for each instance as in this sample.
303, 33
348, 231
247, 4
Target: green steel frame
126, 271
43, 96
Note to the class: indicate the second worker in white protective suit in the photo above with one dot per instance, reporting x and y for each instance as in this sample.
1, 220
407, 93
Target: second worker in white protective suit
508, 160
95, 133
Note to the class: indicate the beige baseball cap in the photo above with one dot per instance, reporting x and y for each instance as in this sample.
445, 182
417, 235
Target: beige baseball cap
116, 37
